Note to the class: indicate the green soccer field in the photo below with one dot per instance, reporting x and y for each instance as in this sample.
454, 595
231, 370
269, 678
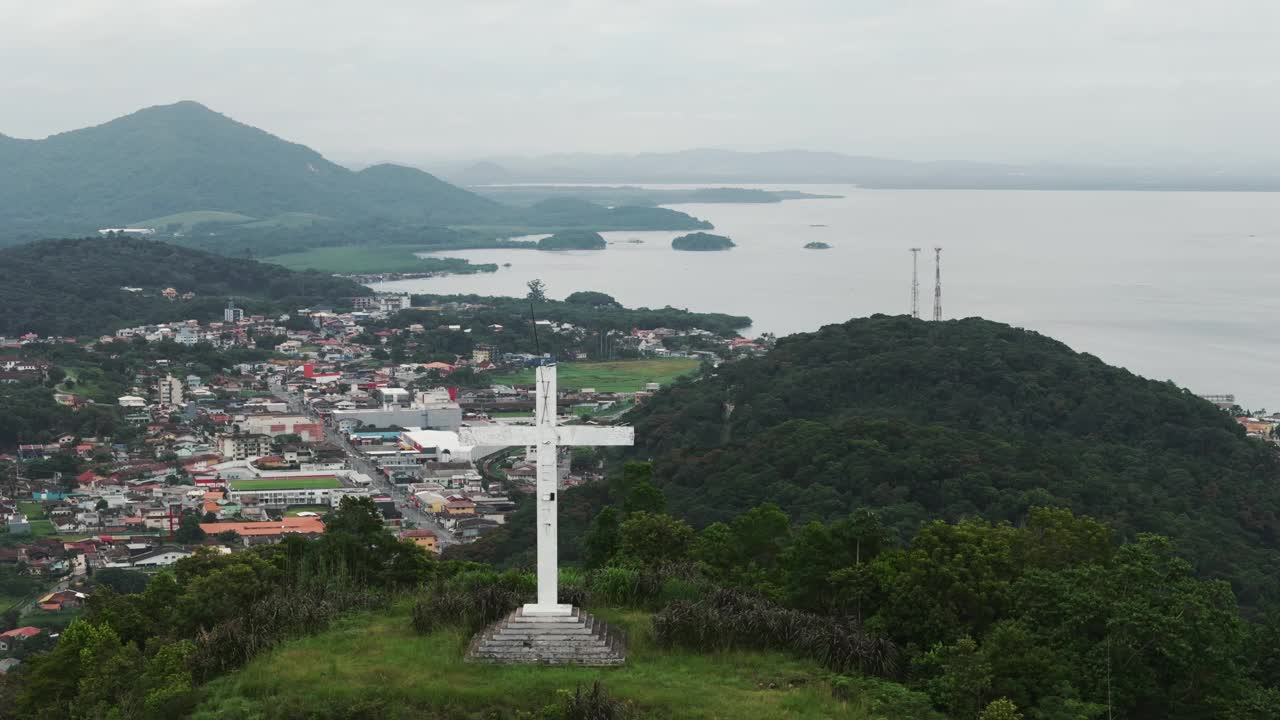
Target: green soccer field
302, 483
616, 376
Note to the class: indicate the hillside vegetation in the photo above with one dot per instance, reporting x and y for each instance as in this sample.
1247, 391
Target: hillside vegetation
955, 419
1054, 619
77, 287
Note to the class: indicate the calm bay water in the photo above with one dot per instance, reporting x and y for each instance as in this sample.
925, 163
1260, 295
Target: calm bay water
1180, 286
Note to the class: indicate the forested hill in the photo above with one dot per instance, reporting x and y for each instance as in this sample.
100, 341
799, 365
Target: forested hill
186, 157
946, 420
77, 287
182, 164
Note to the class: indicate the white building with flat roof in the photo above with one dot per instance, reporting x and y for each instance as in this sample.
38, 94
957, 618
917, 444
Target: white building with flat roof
438, 445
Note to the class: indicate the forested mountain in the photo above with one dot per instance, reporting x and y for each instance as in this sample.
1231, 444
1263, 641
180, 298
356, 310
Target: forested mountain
923, 421
946, 420
187, 160
77, 287
185, 157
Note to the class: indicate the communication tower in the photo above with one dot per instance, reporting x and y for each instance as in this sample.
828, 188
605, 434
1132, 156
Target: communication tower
937, 283
915, 283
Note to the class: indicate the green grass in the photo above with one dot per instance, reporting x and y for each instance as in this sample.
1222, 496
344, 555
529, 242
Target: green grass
377, 664
87, 381
302, 483
50, 621
373, 259
288, 220
43, 528
194, 217
294, 510
616, 376
40, 527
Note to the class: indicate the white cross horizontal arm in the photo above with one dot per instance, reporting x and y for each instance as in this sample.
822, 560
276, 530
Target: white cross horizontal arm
506, 435
587, 435
498, 436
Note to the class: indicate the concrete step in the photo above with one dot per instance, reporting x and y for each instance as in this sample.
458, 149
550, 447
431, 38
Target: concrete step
549, 629
545, 651
579, 638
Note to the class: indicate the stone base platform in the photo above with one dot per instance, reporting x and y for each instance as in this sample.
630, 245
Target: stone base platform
575, 639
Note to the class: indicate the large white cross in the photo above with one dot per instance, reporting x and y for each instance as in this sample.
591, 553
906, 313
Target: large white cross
546, 436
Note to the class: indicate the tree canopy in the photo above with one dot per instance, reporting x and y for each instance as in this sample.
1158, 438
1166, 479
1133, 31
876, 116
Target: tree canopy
78, 286
702, 241
573, 240
955, 419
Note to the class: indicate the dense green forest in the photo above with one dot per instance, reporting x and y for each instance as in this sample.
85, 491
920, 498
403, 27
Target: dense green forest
601, 322
701, 241
28, 413
951, 420
573, 240
175, 165
1055, 618
76, 287
587, 309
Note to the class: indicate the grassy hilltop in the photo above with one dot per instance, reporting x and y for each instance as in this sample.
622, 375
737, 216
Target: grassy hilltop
370, 666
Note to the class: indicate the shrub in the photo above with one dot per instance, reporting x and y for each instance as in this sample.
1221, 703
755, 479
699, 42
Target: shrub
878, 698
678, 588
594, 704
633, 585
616, 585
729, 619
472, 599
573, 591
294, 611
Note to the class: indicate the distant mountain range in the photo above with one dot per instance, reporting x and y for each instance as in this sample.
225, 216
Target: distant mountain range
181, 166
805, 166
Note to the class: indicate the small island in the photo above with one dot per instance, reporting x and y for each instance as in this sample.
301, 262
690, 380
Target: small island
817, 246
573, 240
701, 242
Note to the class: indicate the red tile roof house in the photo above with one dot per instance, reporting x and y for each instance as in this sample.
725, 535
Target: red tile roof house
61, 600
9, 640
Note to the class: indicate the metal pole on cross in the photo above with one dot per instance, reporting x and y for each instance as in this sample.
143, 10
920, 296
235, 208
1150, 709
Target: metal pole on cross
546, 436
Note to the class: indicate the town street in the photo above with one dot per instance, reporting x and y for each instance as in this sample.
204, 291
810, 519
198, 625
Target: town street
362, 465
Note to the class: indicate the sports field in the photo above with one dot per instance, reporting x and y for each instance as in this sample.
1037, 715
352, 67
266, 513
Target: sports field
298, 483
616, 376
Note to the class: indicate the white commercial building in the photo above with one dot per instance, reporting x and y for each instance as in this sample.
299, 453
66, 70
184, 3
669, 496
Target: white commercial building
438, 445
170, 390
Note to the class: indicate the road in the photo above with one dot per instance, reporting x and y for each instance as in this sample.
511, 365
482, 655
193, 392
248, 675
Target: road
362, 465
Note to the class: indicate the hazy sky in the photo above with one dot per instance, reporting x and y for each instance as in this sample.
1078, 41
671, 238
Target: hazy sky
1011, 80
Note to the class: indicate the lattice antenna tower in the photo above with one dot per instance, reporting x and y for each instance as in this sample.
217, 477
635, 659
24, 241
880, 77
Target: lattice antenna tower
915, 283
937, 283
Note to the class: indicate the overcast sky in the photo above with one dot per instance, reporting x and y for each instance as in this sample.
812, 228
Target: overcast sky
1009, 80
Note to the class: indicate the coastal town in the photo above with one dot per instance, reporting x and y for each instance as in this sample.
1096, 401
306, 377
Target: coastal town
251, 451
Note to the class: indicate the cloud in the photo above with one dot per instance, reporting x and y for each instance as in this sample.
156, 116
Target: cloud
1100, 80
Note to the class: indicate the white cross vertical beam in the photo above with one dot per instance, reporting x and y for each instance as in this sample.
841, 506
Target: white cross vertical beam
547, 437
548, 487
